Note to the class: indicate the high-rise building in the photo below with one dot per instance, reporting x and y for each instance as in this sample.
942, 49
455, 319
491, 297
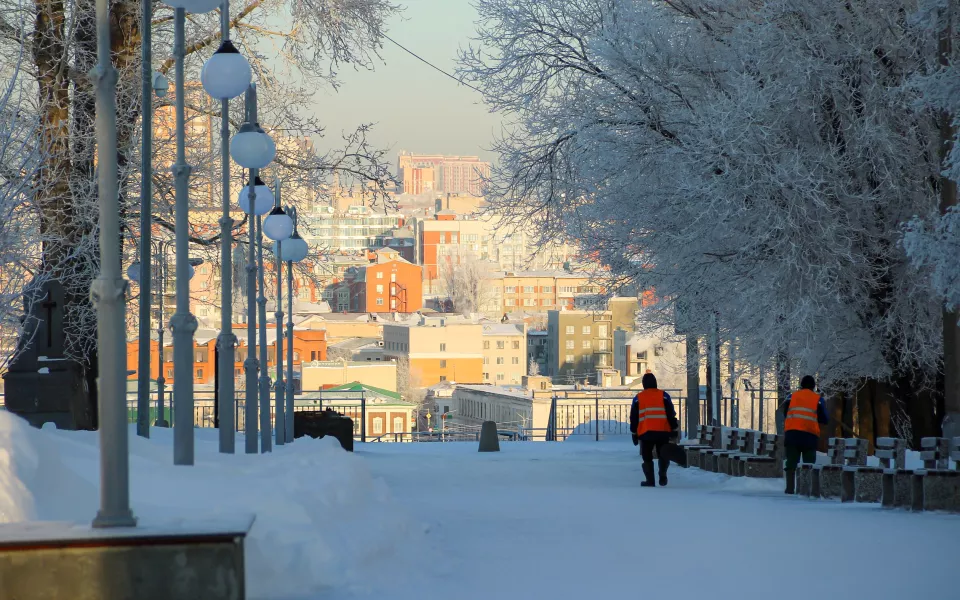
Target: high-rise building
581, 341
446, 174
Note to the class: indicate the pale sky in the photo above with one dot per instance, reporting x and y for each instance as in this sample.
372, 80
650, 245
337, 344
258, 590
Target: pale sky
414, 107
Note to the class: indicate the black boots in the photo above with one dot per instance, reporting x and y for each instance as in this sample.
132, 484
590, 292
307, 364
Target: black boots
664, 464
648, 473
790, 475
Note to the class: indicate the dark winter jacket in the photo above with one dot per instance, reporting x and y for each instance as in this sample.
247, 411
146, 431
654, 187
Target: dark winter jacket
802, 439
652, 435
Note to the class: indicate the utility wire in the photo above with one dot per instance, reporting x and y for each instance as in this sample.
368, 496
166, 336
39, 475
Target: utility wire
428, 63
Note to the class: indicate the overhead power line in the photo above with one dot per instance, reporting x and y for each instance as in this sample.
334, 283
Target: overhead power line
429, 64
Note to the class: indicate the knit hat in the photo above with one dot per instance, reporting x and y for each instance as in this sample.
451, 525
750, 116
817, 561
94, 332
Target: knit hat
649, 381
808, 382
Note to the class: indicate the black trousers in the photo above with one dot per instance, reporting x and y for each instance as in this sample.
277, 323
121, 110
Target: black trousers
646, 451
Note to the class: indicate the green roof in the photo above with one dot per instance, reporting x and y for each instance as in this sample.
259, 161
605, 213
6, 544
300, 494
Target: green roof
356, 386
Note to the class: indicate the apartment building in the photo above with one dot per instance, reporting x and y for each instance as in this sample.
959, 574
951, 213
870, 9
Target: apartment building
448, 240
535, 291
579, 342
423, 173
352, 230
635, 354
436, 349
504, 353
390, 284
307, 345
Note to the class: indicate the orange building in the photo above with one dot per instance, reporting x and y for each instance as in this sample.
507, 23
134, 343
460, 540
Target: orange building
308, 345
391, 284
437, 349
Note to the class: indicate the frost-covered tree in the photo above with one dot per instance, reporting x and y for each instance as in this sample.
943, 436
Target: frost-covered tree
754, 160
292, 57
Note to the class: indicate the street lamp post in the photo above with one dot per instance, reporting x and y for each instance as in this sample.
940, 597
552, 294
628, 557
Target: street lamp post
183, 323
264, 379
226, 75
252, 149
151, 82
137, 274
278, 226
108, 294
294, 250
279, 387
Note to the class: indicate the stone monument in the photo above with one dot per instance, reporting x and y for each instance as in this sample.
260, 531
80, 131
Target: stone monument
42, 385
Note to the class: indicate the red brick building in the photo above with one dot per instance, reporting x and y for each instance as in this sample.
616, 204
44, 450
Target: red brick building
308, 345
389, 284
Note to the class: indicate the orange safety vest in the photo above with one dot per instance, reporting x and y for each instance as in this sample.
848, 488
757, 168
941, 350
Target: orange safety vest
802, 415
653, 415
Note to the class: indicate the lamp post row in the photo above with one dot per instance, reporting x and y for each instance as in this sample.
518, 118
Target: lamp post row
226, 75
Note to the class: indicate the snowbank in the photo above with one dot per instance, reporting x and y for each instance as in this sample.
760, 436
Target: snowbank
323, 522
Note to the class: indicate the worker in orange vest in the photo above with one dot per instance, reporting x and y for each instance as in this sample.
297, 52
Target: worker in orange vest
806, 411
653, 421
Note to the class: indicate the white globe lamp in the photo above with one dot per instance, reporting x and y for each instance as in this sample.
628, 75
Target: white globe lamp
278, 225
226, 74
263, 198
251, 147
133, 272
293, 249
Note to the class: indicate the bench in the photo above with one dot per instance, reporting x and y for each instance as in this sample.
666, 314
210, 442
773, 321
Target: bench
735, 447
936, 487
705, 439
856, 471
709, 458
892, 454
768, 463
746, 447
830, 475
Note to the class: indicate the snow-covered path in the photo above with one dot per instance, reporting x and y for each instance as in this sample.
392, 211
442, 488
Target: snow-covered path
570, 521
536, 520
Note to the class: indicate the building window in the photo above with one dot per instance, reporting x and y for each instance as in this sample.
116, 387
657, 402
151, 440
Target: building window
443, 347
499, 376
379, 289
486, 360
603, 345
547, 289
602, 360
528, 289
516, 360
379, 301
393, 277
500, 345
380, 275
486, 345
570, 329
586, 330
602, 330
199, 357
377, 425
569, 344
199, 373
516, 345
393, 302
499, 360
398, 424
443, 364
486, 376
443, 378
510, 289
529, 301
569, 359
642, 355
587, 344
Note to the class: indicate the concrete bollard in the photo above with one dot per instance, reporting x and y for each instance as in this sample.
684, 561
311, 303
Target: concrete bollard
489, 440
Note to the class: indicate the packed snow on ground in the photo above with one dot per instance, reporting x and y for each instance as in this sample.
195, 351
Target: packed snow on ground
536, 520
